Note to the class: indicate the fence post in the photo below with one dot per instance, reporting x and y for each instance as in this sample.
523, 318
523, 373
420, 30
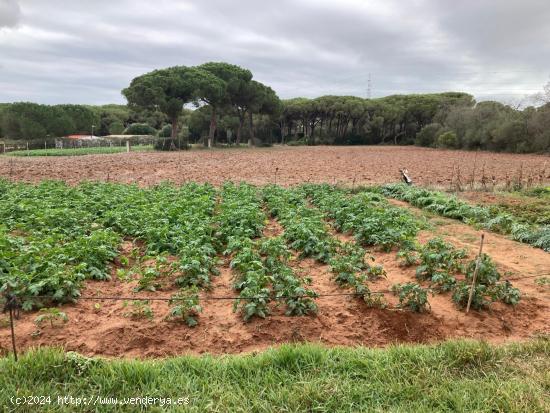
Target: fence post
478, 263
128, 146
12, 306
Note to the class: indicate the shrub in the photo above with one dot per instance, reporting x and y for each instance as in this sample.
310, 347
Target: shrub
139, 129
447, 140
428, 135
298, 142
165, 132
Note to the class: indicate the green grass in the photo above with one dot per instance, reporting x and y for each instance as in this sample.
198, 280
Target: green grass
99, 150
532, 206
455, 376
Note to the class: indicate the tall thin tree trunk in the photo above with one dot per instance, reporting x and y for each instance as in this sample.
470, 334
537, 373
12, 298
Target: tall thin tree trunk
213, 125
239, 131
173, 134
251, 136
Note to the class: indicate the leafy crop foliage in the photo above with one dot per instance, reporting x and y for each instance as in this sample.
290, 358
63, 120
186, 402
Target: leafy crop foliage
437, 262
259, 263
367, 215
488, 287
307, 232
55, 236
51, 315
489, 218
185, 306
412, 296
49, 244
440, 263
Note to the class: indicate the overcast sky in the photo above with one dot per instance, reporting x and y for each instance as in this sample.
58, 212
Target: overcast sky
86, 51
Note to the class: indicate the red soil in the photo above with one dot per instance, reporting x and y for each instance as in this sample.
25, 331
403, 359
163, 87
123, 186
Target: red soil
340, 320
284, 165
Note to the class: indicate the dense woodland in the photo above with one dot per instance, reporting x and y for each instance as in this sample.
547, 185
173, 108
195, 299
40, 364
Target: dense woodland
219, 103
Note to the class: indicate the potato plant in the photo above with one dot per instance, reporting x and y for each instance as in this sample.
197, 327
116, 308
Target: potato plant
488, 286
138, 309
490, 218
367, 215
306, 231
437, 261
412, 296
185, 306
55, 236
52, 316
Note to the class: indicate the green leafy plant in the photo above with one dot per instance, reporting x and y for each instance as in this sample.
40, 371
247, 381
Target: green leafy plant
185, 306
412, 296
543, 282
52, 316
487, 273
439, 257
373, 300
487, 288
506, 293
138, 309
494, 219
443, 282
461, 295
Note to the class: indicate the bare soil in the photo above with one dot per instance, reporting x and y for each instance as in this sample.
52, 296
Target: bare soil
107, 329
360, 165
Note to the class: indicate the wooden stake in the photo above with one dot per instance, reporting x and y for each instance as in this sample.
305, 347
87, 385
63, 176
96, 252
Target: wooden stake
13, 335
478, 263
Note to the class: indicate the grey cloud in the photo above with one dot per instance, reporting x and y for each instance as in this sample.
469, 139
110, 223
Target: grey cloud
87, 51
10, 13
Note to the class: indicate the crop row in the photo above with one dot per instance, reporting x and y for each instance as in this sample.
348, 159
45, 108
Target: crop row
375, 222
372, 220
439, 263
55, 236
48, 244
261, 263
305, 231
489, 218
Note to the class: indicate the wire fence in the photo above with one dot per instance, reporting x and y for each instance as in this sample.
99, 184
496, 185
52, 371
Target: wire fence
13, 304
81, 142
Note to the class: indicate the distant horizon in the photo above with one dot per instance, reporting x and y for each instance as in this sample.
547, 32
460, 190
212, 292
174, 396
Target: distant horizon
192, 107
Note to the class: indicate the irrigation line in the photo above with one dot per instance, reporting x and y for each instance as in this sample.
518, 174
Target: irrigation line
13, 303
207, 298
216, 298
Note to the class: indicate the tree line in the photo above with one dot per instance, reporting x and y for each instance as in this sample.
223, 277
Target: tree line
218, 102
32, 121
